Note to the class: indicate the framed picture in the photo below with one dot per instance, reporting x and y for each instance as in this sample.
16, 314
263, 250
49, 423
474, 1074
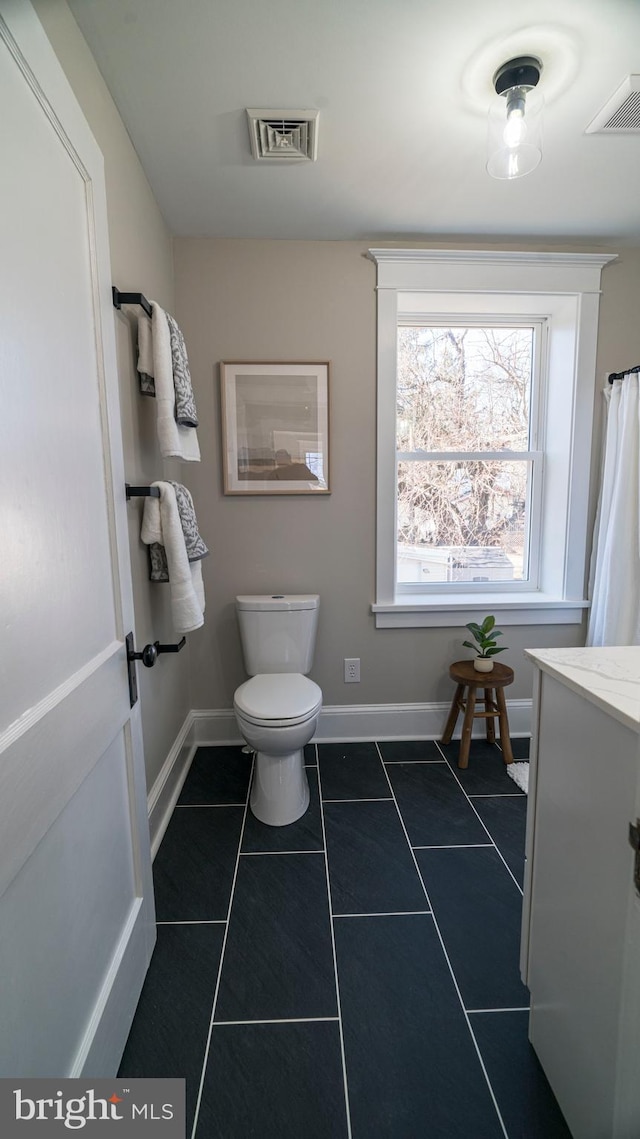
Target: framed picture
275, 428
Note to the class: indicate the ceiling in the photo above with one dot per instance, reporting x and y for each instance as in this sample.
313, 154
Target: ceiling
402, 87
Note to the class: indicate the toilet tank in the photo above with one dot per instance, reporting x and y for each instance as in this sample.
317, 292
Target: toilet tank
278, 632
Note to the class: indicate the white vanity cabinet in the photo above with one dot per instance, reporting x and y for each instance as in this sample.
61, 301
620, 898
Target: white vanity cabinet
581, 917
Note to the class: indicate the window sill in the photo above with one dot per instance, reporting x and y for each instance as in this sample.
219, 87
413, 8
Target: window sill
444, 610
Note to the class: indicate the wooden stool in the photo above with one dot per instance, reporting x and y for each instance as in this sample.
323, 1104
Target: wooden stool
466, 676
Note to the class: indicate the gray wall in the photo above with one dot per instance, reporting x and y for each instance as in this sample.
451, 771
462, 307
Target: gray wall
285, 300
141, 261
293, 300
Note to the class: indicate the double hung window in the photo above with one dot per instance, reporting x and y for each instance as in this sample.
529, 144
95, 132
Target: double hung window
486, 387
469, 457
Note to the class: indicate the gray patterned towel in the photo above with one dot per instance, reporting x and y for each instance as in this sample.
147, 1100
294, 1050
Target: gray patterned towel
186, 414
185, 407
196, 548
145, 356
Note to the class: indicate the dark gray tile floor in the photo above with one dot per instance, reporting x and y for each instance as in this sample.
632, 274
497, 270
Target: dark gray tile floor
354, 974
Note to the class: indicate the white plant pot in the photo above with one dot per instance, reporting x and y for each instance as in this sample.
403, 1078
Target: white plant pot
483, 664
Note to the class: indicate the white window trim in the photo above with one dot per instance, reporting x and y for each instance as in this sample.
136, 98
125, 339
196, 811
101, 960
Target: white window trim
563, 288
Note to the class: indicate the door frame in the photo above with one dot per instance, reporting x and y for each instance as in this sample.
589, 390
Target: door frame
110, 1018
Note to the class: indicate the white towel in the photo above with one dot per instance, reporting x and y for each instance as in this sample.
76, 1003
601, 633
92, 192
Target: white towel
155, 359
161, 523
519, 772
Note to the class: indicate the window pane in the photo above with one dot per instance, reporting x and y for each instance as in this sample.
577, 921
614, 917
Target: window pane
463, 521
464, 389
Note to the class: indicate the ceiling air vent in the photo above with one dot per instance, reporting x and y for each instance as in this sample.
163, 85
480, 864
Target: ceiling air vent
621, 115
288, 135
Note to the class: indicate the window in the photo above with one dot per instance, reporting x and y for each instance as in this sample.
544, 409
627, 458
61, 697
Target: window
486, 374
468, 472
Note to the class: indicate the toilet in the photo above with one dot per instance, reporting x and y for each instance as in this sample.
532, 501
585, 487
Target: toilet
277, 709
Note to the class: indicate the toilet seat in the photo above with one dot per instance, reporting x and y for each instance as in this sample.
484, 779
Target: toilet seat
278, 699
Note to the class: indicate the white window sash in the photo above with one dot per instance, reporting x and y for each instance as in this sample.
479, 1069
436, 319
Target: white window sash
463, 456
531, 525
534, 457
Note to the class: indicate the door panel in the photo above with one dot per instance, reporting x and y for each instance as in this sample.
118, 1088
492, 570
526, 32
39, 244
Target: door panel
54, 748
55, 578
87, 863
76, 903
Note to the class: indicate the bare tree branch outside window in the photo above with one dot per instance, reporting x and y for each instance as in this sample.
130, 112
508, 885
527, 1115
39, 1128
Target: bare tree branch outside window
463, 390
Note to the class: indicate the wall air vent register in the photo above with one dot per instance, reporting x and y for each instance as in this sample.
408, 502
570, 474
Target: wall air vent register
621, 114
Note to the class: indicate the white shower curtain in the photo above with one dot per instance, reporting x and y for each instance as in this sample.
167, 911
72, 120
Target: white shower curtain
614, 618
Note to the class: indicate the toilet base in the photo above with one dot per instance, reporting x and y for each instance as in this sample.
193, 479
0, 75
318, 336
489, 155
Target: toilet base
280, 789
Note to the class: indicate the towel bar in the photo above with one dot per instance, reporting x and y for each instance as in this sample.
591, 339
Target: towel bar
141, 491
130, 299
150, 653
148, 656
171, 648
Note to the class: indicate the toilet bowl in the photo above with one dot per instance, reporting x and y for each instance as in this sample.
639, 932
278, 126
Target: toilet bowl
277, 714
278, 708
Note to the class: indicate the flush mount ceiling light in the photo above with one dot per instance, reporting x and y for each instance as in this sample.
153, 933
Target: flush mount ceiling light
515, 119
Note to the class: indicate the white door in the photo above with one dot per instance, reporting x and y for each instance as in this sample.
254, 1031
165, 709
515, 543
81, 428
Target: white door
76, 903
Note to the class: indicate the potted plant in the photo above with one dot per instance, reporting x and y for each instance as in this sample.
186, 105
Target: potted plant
485, 646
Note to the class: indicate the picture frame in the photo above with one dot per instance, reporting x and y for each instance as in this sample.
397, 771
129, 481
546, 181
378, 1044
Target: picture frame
275, 428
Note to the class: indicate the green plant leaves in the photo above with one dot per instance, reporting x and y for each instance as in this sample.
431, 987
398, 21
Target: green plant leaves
484, 635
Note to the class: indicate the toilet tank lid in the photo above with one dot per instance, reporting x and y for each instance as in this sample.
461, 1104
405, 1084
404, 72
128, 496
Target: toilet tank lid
275, 601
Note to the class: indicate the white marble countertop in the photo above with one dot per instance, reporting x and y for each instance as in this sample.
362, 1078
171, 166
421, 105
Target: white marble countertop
608, 677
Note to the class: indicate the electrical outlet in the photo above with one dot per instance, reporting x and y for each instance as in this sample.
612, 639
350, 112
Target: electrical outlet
351, 670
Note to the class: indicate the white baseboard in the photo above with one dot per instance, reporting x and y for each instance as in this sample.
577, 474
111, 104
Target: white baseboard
215, 726
354, 722
405, 721
164, 794
337, 724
